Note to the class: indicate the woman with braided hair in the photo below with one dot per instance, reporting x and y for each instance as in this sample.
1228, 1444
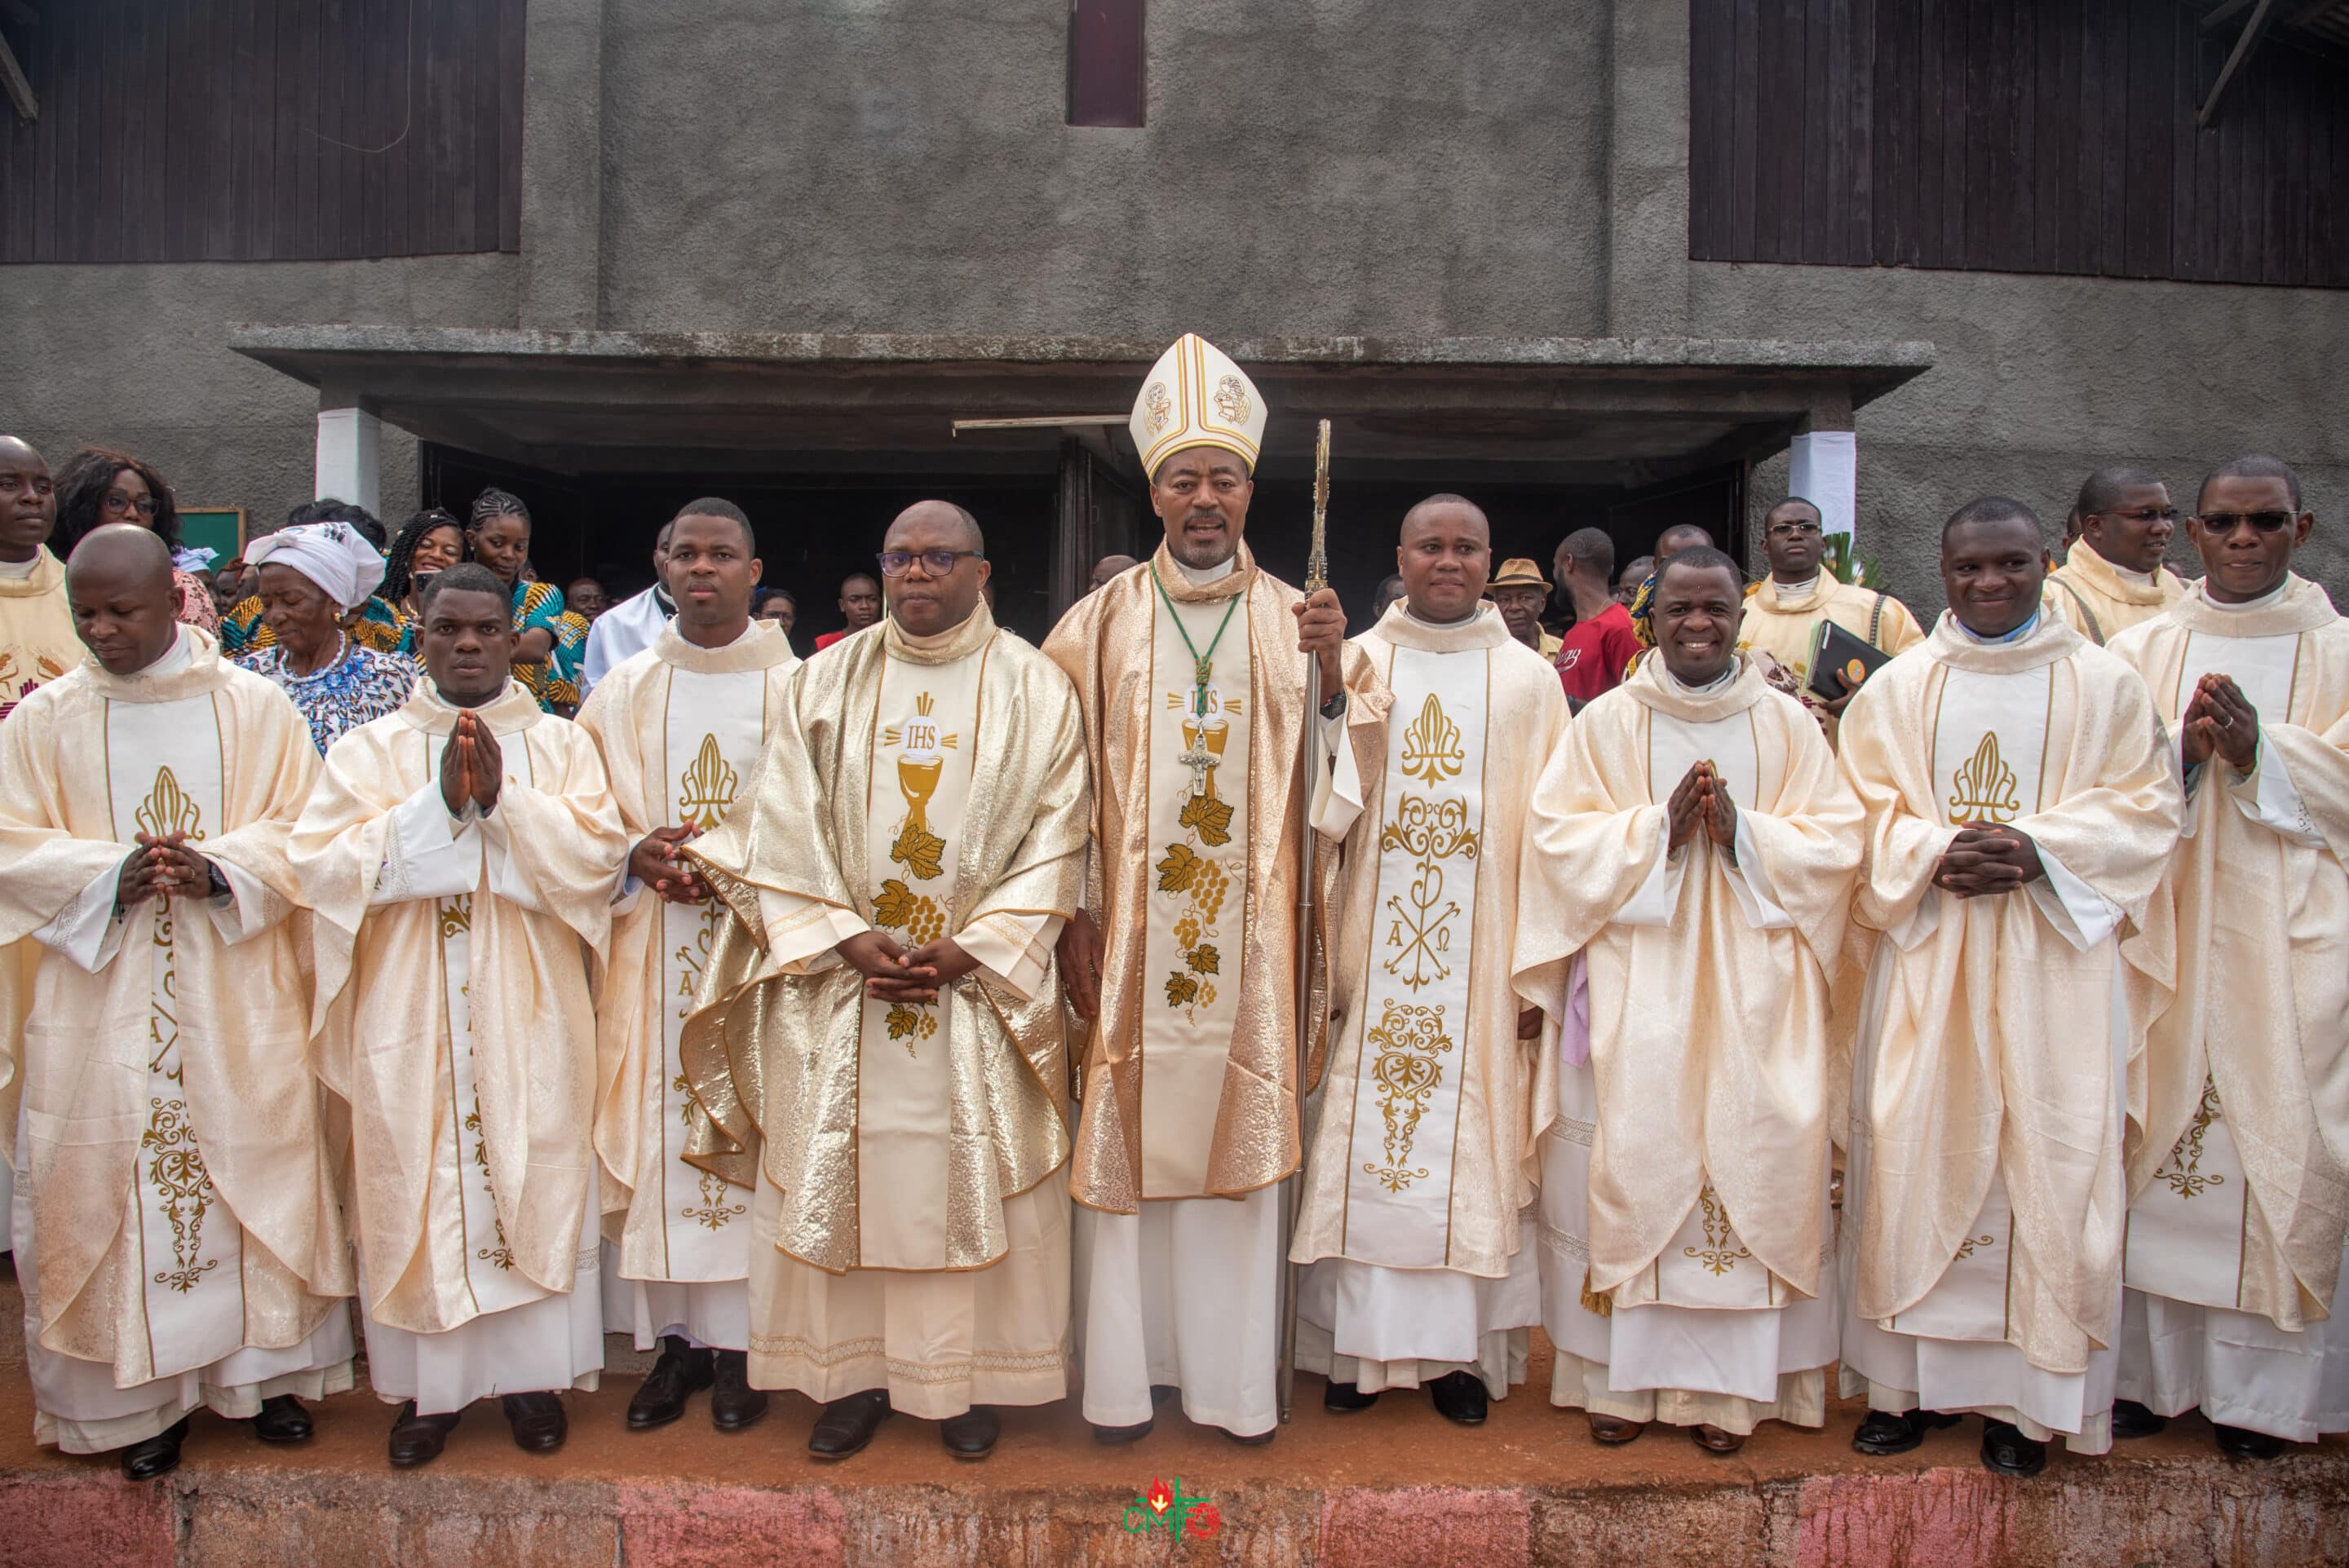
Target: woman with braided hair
548, 644
431, 541
97, 486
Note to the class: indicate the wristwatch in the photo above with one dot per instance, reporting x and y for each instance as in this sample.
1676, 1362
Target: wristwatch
220, 888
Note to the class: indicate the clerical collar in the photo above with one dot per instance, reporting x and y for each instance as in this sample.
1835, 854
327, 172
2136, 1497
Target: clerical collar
19, 570
660, 597
2142, 579
1713, 687
2016, 635
1787, 592
1200, 576
173, 659
2267, 601
1467, 620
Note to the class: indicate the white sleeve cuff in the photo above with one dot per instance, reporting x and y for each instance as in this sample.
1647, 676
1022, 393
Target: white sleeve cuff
1338, 793
2084, 916
507, 880
1660, 889
2268, 797
428, 853
1749, 879
1922, 922
1014, 949
801, 933
249, 909
86, 933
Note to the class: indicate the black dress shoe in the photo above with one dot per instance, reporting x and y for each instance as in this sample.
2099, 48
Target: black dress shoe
2005, 1450
157, 1455
847, 1425
282, 1420
1132, 1434
679, 1374
1251, 1440
1887, 1432
2131, 1419
972, 1434
1459, 1397
538, 1421
733, 1403
1345, 1399
418, 1439
2235, 1442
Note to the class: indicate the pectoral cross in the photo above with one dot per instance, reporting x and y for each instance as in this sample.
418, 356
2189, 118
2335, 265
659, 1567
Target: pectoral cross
1198, 760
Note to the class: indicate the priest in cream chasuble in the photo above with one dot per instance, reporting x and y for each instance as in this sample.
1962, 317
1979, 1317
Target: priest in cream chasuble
1697, 849
2239, 1196
879, 1037
1419, 1181
36, 630
176, 1229
1784, 610
2113, 578
1191, 669
2022, 802
681, 726
462, 855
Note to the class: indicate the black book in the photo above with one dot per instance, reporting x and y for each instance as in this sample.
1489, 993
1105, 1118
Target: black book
1834, 650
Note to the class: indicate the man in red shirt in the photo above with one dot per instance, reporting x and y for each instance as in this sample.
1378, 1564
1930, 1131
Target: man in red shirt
860, 607
1600, 644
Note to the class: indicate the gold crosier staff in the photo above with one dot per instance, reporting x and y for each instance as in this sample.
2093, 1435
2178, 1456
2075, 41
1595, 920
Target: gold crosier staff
1317, 577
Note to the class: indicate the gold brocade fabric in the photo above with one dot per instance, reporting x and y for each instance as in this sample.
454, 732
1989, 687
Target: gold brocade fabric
1709, 1038
773, 1057
2262, 1006
38, 644
81, 1062
1507, 1095
378, 1031
1104, 644
627, 716
2099, 602
1985, 1063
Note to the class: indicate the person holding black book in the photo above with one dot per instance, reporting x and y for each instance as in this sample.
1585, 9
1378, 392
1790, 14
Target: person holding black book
1785, 613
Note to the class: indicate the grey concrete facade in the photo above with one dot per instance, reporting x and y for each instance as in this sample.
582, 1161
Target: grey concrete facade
1506, 168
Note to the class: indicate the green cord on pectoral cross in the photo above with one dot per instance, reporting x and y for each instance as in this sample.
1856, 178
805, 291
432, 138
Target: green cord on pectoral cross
1198, 760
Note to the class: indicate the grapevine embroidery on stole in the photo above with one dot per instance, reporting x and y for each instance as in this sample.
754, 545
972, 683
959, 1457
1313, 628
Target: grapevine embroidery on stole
1432, 831
176, 1167
1408, 1041
1982, 788
1200, 882
920, 767
2183, 1168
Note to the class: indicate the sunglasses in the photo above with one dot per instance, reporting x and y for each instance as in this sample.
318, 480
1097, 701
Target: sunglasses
2224, 523
936, 563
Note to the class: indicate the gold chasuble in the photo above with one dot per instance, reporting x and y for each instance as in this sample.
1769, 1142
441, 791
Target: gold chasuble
2240, 1194
1784, 625
180, 1202
913, 1227
1190, 1075
1424, 1156
1985, 1158
2100, 601
37, 631
452, 1008
682, 729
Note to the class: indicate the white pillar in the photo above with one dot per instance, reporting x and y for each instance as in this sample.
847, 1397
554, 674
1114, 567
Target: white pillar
1822, 468
351, 457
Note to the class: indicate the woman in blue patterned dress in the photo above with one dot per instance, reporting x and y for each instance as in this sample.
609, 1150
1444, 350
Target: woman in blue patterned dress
313, 576
548, 647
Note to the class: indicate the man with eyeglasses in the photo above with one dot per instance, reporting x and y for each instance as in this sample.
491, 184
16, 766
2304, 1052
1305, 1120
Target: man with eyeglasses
1784, 613
2238, 1190
2113, 578
882, 963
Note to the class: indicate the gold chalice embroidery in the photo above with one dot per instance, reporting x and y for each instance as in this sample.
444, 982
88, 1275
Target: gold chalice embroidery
919, 768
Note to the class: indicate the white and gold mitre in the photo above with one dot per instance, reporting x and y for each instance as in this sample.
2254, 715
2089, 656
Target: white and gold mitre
1195, 396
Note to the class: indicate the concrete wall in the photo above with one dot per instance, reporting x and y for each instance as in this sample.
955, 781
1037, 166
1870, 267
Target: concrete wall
133, 357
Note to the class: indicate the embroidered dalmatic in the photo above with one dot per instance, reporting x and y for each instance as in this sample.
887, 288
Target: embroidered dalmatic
1685, 1225
903, 1163
2100, 601
177, 1232
453, 1018
1783, 625
1193, 697
1983, 1197
1422, 1166
2238, 1195
681, 728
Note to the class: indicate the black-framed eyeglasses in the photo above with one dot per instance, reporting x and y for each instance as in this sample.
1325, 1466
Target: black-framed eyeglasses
2146, 514
1792, 530
121, 505
2228, 521
935, 563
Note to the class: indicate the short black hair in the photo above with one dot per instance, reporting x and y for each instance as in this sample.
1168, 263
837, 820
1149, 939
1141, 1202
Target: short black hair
766, 596
466, 577
1593, 548
2249, 466
2101, 489
327, 508
1642, 567
717, 506
859, 577
1699, 558
1992, 508
1800, 501
1683, 530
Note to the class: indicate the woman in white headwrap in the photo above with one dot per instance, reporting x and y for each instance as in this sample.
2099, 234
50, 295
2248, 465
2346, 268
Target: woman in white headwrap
314, 577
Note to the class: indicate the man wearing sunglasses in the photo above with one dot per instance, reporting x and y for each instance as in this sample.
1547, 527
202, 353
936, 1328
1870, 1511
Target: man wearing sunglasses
2114, 579
1782, 614
2238, 1190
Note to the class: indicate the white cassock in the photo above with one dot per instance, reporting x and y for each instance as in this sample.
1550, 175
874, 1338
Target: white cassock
621, 633
681, 727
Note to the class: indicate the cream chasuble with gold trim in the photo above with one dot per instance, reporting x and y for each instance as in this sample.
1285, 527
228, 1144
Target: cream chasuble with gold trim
2100, 601
38, 644
222, 1232
1782, 623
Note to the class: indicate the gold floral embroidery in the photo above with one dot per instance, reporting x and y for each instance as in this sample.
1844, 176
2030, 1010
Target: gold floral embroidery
1972, 1244
1717, 1255
2183, 1169
168, 809
1982, 788
456, 916
1420, 935
1186, 869
1231, 401
1408, 1041
707, 787
1431, 747
176, 1165
714, 1211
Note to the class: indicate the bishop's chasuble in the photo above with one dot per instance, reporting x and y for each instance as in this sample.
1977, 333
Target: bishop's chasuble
1783, 618
904, 1163
1686, 1239
1421, 1164
1193, 695
452, 1015
176, 1228
681, 728
2238, 1193
1983, 1202
2100, 601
